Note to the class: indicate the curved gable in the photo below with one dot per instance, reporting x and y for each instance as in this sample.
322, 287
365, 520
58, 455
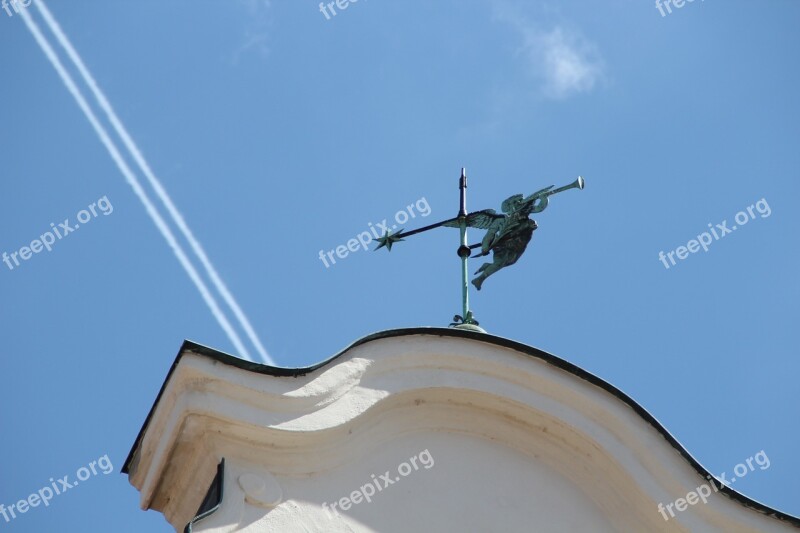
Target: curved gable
516, 437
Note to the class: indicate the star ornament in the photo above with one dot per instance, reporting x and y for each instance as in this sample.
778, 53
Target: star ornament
388, 239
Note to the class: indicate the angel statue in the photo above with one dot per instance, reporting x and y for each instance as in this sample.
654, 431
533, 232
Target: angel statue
507, 235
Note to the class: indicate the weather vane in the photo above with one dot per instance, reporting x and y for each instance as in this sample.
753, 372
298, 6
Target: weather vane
507, 236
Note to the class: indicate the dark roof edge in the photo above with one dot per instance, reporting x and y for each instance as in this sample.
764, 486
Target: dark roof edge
259, 368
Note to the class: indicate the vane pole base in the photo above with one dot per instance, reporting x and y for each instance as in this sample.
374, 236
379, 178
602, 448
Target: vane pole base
469, 327
468, 323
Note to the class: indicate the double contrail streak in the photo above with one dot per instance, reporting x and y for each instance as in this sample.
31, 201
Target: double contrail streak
152, 179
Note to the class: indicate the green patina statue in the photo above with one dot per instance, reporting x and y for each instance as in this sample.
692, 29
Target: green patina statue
507, 235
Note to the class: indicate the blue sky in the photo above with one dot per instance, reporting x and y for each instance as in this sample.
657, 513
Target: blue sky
278, 133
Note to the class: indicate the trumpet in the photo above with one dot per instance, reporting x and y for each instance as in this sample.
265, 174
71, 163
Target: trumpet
549, 191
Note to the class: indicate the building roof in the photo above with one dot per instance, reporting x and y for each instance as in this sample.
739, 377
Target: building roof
190, 347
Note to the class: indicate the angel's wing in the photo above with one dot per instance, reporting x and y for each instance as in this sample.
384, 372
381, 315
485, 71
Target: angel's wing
479, 219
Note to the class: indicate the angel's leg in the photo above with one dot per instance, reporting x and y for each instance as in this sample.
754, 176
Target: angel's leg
486, 270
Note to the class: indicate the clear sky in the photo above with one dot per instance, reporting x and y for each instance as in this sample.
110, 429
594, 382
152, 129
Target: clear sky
280, 131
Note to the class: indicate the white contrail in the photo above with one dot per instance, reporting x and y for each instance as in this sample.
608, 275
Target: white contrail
152, 179
134, 183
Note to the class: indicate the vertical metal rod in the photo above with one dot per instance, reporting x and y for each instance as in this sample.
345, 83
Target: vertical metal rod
462, 222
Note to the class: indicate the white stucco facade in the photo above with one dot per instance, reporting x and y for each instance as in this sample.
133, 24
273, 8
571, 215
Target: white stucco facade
440, 430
